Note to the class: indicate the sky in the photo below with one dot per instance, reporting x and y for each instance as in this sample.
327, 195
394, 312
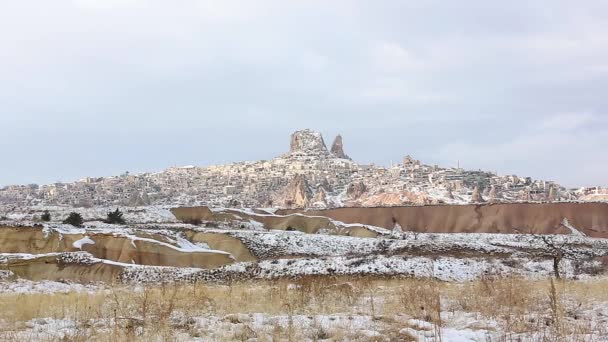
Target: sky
100, 87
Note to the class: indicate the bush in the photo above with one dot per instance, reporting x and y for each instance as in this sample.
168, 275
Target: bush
115, 217
46, 216
75, 219
193, 221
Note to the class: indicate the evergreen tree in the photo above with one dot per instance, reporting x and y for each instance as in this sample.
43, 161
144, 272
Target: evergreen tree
115, 217
46, 216
75, 219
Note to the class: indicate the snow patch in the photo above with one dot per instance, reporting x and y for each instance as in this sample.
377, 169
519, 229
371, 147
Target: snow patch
84, 241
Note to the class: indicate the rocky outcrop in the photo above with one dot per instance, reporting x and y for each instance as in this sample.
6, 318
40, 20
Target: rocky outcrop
337, 148
320, 199
138, 199
525, 196
307, 142
325, 185
552, 196
409, 161
356, 190
476, 196
494, 194
448, 192
297, 193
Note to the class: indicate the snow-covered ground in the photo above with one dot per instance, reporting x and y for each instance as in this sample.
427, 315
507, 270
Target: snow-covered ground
145, 214
23, 286
357, 310
458, 259
448, 257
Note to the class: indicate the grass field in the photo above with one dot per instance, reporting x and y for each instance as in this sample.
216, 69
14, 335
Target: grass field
365, 309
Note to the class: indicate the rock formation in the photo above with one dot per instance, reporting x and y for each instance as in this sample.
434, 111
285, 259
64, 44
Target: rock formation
337, 148
138, 199
325, 185
355, 190
297, 193
448, 192
476, 196
552, 197
408, 161
486, 192
494, 195
320, 199
307, 142
524, 195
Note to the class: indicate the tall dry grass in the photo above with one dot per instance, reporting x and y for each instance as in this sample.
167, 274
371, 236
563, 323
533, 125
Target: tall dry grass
547, 309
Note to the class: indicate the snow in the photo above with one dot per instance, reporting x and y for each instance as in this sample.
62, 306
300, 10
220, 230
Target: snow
147, 214
24, 256
22, 286
466, 335
194, 247
184, 247
451, 257
84, 241
6, 274
573, 230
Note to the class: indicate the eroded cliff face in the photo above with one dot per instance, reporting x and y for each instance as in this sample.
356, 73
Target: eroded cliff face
535, 218
142, 250
297, 194
268, 249
320, 199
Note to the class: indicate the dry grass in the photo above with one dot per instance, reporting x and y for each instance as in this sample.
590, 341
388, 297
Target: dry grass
548, 309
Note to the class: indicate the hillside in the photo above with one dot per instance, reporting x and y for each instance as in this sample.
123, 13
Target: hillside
308, 176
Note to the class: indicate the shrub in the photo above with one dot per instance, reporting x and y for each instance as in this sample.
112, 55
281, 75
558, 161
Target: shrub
115, 217
194, 221
46, 216
75, 219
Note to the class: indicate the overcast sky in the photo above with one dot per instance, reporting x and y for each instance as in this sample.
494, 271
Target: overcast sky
99, 87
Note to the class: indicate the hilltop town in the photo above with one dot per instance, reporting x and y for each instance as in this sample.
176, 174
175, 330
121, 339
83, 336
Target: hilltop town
309, 175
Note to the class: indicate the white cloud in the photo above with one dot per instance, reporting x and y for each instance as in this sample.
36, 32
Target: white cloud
391, 57
392, 89
553, 148
313, 61
569, 121
110, 4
